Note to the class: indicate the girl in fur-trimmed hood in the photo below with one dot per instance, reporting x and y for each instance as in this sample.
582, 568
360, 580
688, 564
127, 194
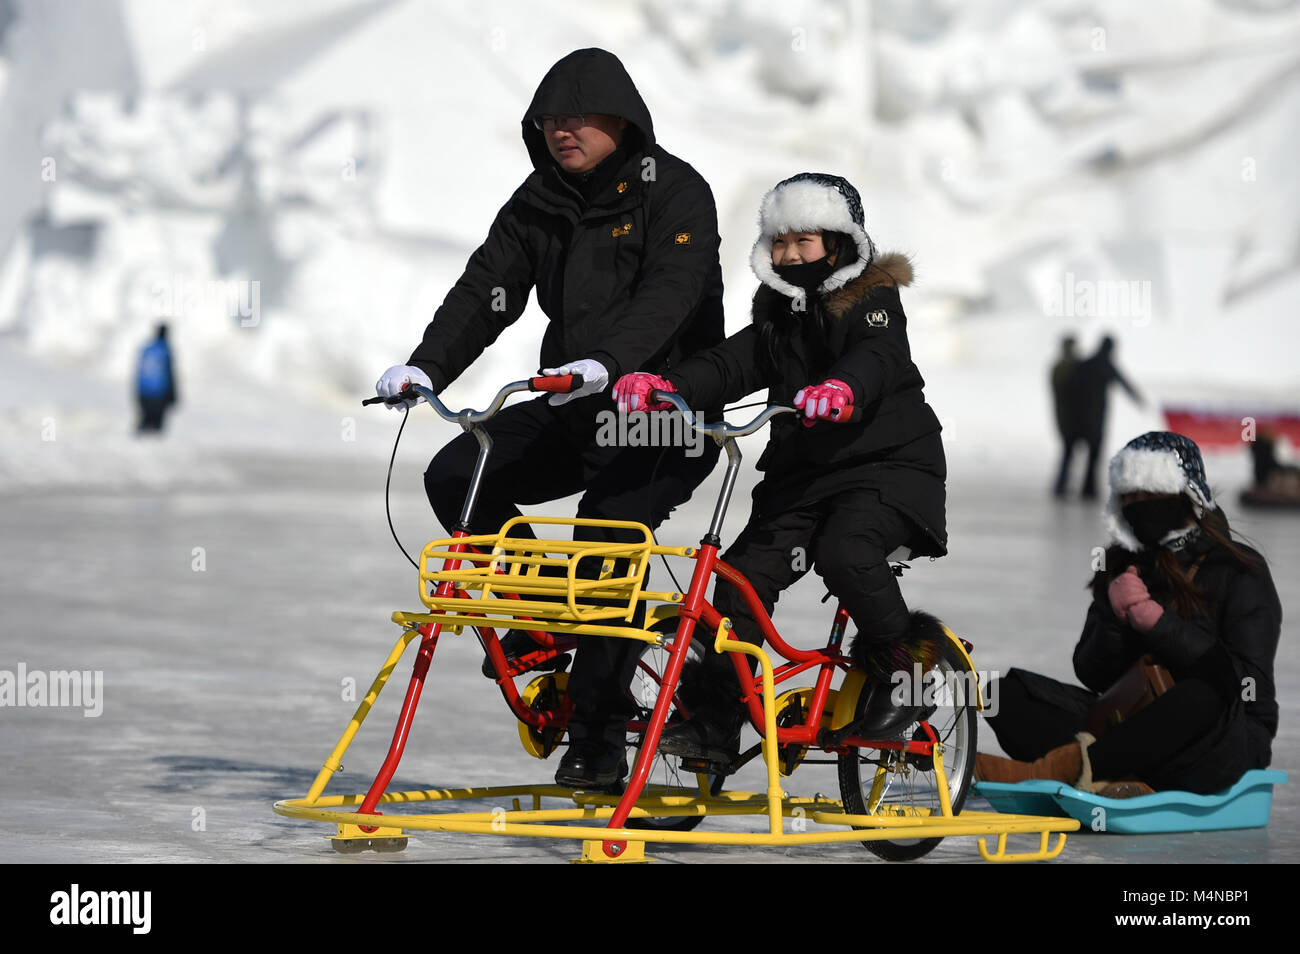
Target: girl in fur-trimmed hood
1174, 586
858, 473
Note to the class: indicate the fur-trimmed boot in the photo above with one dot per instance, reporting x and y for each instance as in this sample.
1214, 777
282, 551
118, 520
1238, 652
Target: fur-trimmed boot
710, 693
1066, 763
886, 714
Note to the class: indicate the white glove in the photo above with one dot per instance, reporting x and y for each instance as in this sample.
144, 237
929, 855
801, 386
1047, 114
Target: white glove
398, 377
594, 379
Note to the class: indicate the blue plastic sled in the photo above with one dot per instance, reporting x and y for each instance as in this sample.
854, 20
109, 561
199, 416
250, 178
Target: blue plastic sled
1245, 805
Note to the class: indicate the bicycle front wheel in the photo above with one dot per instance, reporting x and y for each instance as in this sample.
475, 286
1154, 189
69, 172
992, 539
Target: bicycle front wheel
666, 774
875, 781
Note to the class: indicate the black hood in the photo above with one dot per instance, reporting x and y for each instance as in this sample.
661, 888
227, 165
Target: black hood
588, 81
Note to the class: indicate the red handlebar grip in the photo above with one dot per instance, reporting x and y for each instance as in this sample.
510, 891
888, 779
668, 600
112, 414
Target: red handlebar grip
558, 383
845, 416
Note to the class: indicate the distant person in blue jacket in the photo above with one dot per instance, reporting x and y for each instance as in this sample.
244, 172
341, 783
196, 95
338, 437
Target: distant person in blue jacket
155, 383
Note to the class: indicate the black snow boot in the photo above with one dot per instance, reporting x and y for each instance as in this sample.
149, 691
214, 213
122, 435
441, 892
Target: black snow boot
710, 693
595, 758
885, 714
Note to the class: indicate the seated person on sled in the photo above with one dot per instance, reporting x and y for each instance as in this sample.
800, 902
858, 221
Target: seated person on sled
1176, 586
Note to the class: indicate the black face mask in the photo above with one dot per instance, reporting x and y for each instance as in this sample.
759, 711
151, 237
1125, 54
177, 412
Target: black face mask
806, 275
1152, 520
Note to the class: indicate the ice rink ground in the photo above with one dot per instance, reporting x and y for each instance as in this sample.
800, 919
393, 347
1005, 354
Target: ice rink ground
228, 625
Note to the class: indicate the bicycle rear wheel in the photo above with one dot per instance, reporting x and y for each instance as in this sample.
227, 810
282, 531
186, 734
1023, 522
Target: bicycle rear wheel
876, 781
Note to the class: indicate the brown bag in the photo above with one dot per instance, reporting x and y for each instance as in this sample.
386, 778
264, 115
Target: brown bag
1131, 693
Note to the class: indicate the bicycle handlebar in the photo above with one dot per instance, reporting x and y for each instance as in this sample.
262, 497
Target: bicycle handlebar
557, 384
721, 430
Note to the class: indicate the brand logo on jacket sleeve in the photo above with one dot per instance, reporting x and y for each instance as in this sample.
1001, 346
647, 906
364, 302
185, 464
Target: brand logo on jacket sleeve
682, 238
878, 319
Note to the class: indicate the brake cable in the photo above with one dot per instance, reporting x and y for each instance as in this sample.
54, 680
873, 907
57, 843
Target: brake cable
388, 483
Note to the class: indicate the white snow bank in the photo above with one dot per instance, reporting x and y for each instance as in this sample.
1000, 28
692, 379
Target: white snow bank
1071, 167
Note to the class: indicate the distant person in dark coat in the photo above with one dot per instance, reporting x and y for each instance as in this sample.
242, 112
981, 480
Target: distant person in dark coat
1271, 473
1086, 400
1062, 369
1276, 484
1177, 586
155, 383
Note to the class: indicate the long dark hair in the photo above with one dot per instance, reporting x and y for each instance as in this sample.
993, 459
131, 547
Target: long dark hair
1163, 574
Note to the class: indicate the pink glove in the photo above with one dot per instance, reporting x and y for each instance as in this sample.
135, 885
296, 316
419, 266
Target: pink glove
1126, 591
1144, 615
632, 392
826, 401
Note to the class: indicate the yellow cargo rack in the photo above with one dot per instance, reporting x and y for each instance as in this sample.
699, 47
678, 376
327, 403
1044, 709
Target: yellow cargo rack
501, 579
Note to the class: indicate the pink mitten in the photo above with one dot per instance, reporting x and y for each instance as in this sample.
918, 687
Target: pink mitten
1126, 590
632, 392
825, 402
1144, 615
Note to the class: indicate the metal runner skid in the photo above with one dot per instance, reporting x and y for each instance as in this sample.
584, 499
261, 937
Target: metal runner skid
463, 594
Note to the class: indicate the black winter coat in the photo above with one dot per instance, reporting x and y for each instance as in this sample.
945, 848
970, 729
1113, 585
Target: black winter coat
1062, 397
1088, 388
1237, 641
861, 338
624, 259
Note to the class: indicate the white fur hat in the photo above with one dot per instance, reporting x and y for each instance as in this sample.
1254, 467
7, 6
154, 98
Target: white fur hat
810, 202
1158, 462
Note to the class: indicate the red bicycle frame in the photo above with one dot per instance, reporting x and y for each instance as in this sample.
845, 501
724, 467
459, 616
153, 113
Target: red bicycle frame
694, 610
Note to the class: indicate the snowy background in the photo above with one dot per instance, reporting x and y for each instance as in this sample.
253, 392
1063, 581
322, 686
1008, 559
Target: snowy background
294, 185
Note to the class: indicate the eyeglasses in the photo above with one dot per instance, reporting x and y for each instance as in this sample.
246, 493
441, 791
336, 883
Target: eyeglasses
565, 123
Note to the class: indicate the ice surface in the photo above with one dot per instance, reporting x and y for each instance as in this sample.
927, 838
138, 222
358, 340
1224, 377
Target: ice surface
224, 687
162, 157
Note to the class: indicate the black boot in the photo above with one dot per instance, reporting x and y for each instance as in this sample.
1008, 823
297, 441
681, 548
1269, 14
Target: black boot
886, 713
595, 757
710, 692
711, 737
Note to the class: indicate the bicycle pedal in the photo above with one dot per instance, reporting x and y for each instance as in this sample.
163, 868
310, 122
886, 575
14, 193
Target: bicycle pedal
558, 663
716, 766
703, 766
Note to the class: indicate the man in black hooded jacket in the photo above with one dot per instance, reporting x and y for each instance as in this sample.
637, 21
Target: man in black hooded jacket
619, 239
